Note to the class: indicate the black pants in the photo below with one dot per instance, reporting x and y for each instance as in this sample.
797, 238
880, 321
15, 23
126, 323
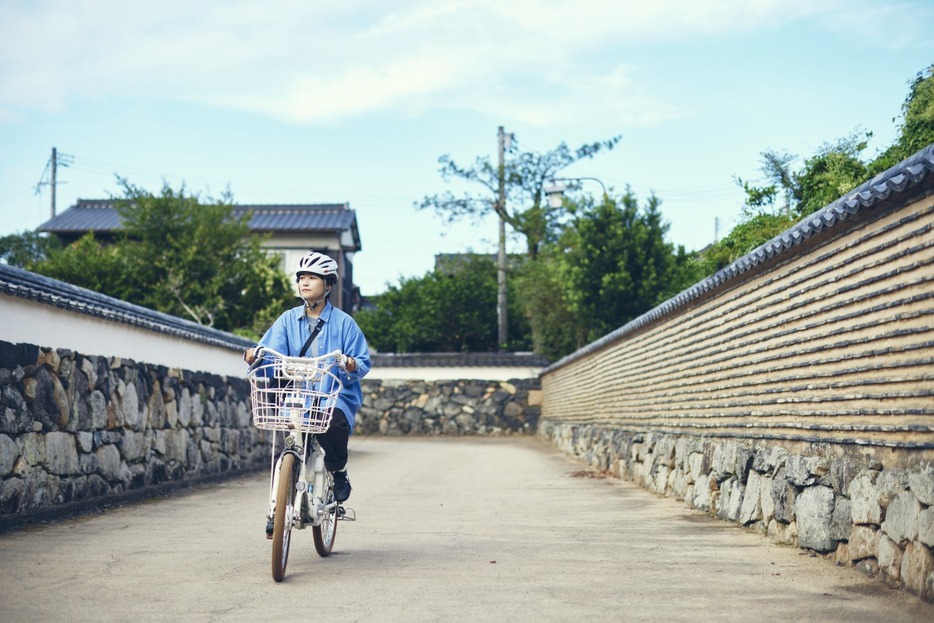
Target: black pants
334, 442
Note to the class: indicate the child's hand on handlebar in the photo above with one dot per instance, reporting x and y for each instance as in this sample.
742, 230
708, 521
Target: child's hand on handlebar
249, 355
347, 363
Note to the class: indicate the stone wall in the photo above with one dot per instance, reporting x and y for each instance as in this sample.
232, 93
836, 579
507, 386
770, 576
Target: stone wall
462, 407
791, 391
79, 430
840, 501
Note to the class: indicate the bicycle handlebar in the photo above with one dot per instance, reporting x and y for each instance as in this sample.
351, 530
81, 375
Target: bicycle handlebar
261, 351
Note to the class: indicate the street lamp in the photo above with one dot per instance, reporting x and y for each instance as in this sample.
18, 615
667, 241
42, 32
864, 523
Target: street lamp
555, 192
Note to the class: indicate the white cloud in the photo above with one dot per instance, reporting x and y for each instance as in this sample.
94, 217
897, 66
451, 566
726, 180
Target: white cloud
305, 63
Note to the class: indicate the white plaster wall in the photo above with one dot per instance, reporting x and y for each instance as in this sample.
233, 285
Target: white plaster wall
27, 322
452, 373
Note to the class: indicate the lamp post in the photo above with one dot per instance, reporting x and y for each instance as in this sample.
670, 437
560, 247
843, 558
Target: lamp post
555, 192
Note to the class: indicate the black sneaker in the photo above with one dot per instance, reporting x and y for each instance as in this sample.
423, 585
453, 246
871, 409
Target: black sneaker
269, 529
342, 487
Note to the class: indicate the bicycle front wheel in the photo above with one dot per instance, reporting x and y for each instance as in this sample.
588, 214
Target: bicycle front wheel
282, 524
325, 532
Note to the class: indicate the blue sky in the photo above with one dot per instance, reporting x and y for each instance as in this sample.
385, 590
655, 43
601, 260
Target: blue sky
291, 101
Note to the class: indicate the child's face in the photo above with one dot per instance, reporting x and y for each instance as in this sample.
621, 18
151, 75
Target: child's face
311, 287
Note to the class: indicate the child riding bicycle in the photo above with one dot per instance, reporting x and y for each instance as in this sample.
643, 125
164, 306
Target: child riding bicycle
314, 328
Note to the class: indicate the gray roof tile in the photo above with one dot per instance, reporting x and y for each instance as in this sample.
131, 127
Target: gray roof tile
100, 215
31, 286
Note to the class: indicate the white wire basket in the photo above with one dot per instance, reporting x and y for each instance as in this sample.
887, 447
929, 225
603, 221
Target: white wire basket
294, 393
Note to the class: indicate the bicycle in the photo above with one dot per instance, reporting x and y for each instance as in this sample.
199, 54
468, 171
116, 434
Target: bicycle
296, 396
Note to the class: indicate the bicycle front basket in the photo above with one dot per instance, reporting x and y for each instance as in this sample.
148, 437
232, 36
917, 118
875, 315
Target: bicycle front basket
292, 395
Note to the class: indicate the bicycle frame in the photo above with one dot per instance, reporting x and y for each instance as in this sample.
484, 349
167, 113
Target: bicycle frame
296, 396
309, 492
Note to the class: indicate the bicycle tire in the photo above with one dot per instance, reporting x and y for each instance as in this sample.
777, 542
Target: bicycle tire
282, 523
325, 533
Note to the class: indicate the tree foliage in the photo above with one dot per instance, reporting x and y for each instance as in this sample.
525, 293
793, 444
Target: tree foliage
443, 311
179, 256
916, 128
838, 167
525, 175
24, 249
619, 263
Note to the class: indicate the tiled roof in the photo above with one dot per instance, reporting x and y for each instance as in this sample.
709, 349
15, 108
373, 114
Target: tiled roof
899, 182
100, 215
41, 289
458, 360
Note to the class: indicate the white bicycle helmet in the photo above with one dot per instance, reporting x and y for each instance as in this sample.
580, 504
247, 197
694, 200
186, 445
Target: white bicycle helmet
318, 264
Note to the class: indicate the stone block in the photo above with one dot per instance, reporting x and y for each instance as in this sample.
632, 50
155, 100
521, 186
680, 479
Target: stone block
9, 452
724, 460
129, 413
108, 462
865, 506
696, 463
751, 509
890, 558
890, 484
85, 441
702, 493
814, 514
769, 459
766, 502
863, 543
901, 518
133, 445
803, 471
786, 534
917, 566
61, 454
926, 526
842, 523
783, 495
922, 485
97, 405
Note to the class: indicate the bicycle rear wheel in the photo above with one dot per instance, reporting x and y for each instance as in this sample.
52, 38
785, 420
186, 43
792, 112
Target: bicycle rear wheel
325, 532
282, 524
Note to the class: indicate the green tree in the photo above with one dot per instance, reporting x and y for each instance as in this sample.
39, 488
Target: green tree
747, 236
610, 265
916, 129
620, 265
89, 264
836, 169
525, 175
826, 176
442, 311
179, 256
788, 195
543, 288
27, 248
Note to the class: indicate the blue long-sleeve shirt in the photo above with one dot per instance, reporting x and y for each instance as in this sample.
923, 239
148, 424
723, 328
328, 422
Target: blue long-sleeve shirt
290, 331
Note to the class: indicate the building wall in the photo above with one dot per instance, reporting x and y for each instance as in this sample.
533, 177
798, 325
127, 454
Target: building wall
794, 393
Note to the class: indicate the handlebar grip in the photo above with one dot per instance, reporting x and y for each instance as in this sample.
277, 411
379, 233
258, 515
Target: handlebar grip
258, 353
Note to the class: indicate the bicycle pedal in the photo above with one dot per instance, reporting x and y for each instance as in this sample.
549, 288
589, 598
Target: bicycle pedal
346, 514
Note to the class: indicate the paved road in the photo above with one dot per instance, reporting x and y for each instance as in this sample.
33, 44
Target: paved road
448, 530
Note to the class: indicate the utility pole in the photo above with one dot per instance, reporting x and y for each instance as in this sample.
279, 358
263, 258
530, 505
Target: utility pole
501, 299
54, 172
51, 167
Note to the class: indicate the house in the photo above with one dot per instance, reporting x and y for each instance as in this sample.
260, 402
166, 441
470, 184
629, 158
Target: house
292, 230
